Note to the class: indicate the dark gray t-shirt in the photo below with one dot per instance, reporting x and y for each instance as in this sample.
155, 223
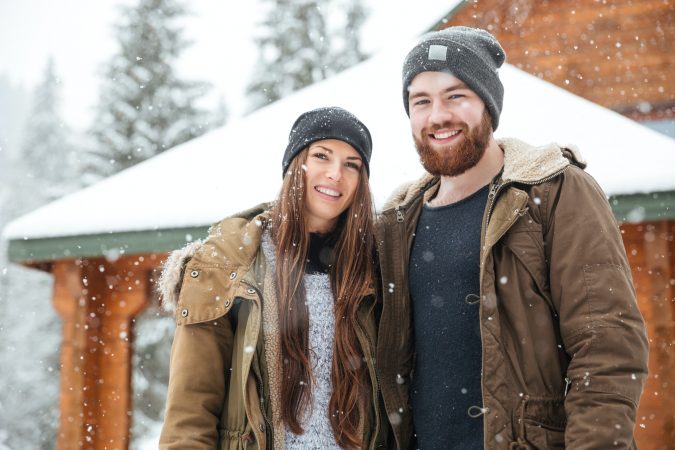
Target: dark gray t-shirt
443, 271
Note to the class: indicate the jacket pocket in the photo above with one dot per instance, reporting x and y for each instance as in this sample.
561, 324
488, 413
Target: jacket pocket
540, 436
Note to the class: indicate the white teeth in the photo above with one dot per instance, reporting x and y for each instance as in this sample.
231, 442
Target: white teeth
446, 135
327, 191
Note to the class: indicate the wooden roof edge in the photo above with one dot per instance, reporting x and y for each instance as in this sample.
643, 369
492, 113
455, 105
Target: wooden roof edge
39, 252
643, 207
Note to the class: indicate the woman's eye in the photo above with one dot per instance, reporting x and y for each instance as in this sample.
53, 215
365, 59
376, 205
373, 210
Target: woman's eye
354, 166
319, 156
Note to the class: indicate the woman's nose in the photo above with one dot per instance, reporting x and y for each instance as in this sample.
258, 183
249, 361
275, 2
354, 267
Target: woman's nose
335, 172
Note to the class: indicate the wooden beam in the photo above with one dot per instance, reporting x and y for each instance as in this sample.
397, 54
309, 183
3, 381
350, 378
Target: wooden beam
98, 300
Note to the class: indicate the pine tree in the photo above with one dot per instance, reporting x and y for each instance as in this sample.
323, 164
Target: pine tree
29, 340
46, 164
347, 51
297, 46
145, 108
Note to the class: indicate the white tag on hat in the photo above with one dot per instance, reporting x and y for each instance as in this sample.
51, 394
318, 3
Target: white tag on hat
438, 52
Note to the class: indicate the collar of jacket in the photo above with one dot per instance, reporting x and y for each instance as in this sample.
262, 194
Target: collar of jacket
232, 245
523, 163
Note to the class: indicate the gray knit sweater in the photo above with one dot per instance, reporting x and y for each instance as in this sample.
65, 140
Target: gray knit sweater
318, 431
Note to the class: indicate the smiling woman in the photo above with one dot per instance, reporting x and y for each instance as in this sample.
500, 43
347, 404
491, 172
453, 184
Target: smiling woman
333, 170
275, 310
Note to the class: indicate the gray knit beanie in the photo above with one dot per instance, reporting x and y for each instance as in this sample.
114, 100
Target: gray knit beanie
328, 123
470, 54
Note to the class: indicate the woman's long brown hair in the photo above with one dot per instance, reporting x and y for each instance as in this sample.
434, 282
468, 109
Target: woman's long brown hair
351, 278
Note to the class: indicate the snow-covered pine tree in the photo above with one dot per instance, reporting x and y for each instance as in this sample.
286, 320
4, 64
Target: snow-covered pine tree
46, 163
31, 333
293, 50
296, 46
347, 43
145, 107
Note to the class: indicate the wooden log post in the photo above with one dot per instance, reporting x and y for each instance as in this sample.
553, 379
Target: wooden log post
98, 300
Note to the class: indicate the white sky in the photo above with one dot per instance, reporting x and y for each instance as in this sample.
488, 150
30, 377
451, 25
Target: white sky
79, 35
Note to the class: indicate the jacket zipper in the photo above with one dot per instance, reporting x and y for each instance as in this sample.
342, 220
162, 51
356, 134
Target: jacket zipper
376, 387
268, 423
492, 195
399, 214
497, 186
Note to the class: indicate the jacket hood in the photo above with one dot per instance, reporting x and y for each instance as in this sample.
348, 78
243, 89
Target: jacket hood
168, 285
523, 163
232, 242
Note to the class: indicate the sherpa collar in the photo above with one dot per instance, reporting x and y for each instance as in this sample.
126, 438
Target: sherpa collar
523, 163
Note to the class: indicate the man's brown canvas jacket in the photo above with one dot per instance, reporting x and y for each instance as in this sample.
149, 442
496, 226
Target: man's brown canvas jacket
564, 347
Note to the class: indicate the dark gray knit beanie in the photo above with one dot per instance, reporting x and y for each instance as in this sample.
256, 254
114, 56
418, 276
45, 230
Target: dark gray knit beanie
470, 54
328, 123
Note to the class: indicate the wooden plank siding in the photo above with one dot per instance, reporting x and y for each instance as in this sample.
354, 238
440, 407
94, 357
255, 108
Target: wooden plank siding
651, 254
618, 54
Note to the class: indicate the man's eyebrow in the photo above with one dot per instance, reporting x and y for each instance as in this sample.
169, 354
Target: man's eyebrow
454, 87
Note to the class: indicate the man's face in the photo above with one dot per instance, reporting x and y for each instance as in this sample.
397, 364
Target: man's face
450, 124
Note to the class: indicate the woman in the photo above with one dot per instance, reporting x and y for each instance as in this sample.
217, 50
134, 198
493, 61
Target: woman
274, 345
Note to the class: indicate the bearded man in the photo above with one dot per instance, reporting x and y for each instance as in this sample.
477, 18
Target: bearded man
509, 315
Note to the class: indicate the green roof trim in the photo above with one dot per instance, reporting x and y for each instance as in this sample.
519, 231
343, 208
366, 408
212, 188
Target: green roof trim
110, 245
632, 208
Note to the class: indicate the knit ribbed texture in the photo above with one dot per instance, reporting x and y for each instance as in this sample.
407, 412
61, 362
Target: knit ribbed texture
318, 431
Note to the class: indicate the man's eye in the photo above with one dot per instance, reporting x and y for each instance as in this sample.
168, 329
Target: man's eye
455, 96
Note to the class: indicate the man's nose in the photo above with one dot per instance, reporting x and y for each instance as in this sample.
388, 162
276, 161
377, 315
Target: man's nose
439, 114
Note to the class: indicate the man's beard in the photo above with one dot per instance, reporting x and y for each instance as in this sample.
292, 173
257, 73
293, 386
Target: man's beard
455, 159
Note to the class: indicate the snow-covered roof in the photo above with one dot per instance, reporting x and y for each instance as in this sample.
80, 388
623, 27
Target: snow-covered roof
239, 165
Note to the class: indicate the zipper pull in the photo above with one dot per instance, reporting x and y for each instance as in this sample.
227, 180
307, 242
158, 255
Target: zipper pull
493, 190
568, 383
399, 215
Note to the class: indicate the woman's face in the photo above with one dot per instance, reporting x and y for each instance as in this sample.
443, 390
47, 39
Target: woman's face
332, 174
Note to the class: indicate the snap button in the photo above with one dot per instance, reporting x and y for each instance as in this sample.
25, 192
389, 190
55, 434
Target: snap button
250, 290
184, 313
233, 275
227, 303
194, 274
261, 427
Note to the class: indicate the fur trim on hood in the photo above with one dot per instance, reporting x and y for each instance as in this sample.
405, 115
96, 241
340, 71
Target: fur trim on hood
169, 282
522, 163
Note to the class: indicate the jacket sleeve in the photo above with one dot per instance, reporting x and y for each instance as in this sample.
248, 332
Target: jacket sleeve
200, 360
601, 327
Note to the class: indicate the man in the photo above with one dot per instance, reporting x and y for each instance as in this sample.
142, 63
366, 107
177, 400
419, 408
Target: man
509, 318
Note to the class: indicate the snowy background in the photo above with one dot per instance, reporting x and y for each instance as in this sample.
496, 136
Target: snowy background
59, 133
